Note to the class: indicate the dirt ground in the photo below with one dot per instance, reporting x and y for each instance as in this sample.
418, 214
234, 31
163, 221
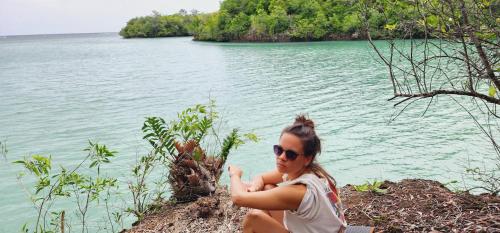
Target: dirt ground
411, 205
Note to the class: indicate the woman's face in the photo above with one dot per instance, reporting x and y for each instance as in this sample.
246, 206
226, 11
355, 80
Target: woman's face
291, 142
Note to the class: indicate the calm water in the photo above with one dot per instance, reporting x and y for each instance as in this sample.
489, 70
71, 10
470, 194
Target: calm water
56, 92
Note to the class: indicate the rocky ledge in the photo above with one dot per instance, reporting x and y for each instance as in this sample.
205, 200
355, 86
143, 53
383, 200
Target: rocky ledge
411, 205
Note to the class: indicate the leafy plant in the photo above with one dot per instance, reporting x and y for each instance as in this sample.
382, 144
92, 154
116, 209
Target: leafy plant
158, 136
180, 147
49, 186
373, 187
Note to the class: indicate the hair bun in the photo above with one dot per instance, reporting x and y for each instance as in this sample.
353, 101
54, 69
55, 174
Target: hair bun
303, 120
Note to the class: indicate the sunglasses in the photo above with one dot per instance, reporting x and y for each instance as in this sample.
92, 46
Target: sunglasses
290, 154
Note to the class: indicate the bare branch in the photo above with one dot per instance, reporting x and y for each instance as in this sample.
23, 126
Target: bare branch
450, 92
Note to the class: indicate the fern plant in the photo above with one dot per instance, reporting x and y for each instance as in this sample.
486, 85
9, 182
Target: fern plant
182, 143
159, 136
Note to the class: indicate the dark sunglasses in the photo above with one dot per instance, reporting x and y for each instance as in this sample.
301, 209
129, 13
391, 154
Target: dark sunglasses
290, 154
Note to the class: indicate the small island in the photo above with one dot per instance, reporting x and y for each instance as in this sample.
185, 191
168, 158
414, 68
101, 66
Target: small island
266, 21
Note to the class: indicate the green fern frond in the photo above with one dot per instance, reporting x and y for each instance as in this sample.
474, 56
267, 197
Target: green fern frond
158, 135
231, 141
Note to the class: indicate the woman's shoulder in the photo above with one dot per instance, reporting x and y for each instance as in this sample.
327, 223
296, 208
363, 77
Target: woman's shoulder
306, 178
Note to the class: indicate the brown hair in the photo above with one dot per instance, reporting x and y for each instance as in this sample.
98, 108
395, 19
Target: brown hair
303, 128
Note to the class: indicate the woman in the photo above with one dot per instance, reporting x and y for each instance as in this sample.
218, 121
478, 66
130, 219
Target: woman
306, 200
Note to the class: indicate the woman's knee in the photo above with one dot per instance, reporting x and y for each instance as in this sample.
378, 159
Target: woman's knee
260, 221
252, 216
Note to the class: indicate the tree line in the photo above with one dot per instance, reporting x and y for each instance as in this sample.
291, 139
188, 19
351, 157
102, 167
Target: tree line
157, 25
265, 20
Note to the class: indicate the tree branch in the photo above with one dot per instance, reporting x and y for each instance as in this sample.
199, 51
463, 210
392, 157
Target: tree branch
450, 92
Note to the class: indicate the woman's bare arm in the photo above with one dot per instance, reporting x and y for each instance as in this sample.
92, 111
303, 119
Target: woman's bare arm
280, 198
271, 177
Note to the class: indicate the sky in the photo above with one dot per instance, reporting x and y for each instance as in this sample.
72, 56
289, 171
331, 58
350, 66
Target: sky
26, 17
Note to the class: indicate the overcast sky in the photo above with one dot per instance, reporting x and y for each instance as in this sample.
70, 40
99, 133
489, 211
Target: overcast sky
23, 17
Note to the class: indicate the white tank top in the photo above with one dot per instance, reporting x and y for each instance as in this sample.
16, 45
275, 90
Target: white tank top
320, 210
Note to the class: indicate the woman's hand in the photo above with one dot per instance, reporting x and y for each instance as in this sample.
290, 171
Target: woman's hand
256, 185
234, 171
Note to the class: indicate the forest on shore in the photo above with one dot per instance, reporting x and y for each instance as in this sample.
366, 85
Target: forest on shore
270, 20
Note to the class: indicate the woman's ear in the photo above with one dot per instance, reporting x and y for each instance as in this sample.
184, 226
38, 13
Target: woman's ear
308, 160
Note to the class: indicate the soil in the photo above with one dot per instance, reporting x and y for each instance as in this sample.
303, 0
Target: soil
411, 205
422, 206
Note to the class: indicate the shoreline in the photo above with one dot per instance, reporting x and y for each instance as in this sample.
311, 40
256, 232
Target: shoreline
269, 39
410, 205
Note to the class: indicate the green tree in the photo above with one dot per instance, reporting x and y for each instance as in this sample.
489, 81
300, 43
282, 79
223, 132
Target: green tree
303, 29
209, 29
351, 23
239, 25
260, 23
279, 21
321, 28
157, 25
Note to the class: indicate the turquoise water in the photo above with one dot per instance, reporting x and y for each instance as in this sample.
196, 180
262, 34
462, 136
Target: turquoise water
56, 92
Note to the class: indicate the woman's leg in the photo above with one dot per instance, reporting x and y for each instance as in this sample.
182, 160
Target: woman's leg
258, 221
263, 221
